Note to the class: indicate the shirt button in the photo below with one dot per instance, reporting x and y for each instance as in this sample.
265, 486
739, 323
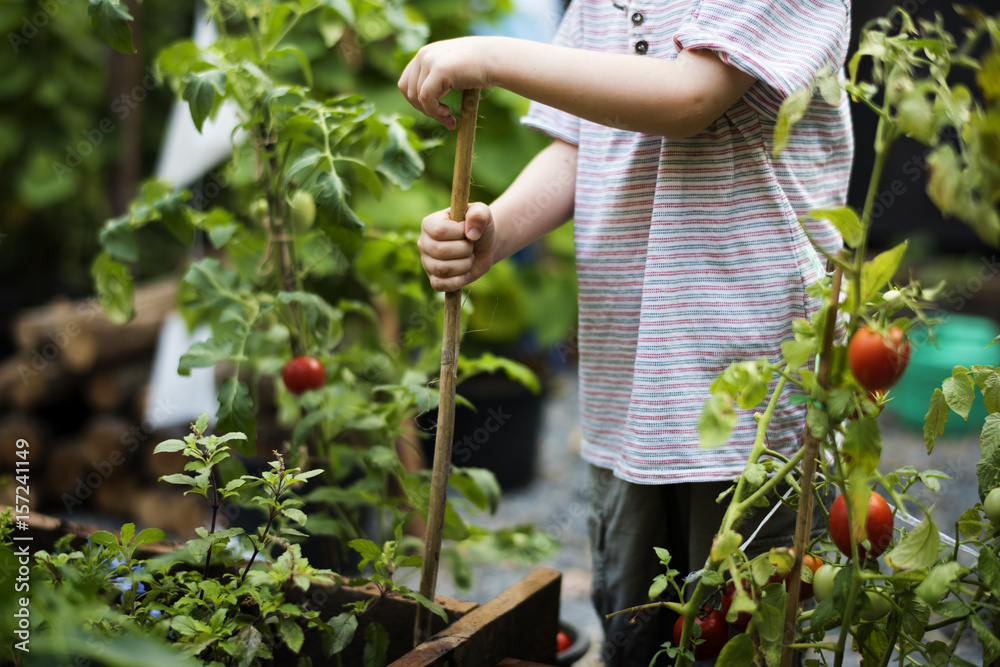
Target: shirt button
641, 47
637, 18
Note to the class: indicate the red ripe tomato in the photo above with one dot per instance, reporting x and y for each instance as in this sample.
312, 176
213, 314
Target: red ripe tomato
714, 633
743, 617
806, 589
563, 641
877, 361
303, 373
878, 525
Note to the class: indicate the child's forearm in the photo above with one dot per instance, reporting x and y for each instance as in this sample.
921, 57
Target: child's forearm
672, 98
539, 200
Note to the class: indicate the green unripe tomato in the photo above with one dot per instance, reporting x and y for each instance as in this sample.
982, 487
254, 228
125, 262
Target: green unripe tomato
823, 581
258, 211
880, 607
302, 210
992, 506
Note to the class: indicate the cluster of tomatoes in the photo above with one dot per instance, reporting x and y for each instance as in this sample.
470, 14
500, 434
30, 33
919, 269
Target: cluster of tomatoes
714, 626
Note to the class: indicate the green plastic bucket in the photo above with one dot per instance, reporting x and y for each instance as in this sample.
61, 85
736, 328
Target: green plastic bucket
961, 341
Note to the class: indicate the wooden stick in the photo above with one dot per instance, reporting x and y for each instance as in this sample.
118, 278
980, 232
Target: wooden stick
803, 520
461, 182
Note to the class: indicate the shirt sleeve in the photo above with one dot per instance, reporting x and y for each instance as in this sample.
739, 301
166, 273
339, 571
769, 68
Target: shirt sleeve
543, 118
782, 43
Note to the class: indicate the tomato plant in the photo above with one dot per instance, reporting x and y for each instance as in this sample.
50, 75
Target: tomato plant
839, 383
878, 527
714, 633
876, 360
302, 374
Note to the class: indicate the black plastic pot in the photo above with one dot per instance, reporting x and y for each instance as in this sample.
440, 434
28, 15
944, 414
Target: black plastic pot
501, 434
579, 647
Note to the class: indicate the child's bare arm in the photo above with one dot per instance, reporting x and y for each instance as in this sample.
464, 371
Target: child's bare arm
672, 98
539, 200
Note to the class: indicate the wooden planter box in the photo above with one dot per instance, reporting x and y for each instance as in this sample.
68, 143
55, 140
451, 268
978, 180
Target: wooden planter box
516, 628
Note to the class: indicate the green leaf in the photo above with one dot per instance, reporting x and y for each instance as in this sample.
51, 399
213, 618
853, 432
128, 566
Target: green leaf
988, 466
298, 55
970, 525
724, 545
845, 220
737, 652
172, 445
376, 645
938, 581
114, 288
793, 108
660, 583
333, 215
291, 633
204, 354
431, 606
342, 629
990, 642
104, 538
959, 391
879, 271
770, 618
478, 485
796, 352
916, 615
295, 515
991, 392
324, 321
989, 569
200, 91
247, 642
179, 478
491, 363
110, 18
401, 163
119, 240
818, 421
236, 414
918, 549
149, 536
717, 420
935, 419
863, 443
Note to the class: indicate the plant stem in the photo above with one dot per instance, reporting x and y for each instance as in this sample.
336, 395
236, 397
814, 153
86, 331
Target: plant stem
215, 513
256, 544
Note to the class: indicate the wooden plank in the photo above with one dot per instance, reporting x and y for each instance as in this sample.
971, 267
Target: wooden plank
521, 623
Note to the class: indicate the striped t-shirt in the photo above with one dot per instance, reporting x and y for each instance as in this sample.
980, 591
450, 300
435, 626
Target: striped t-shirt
690, 254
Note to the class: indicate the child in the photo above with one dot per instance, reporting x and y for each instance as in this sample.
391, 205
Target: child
690, 254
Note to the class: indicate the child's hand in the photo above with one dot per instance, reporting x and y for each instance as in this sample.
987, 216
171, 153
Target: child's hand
454, 64
455, 253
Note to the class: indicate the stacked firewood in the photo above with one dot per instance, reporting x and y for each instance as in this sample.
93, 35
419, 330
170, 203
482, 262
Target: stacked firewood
76, 391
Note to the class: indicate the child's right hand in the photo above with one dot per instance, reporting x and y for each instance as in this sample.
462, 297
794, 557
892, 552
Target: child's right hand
456, 253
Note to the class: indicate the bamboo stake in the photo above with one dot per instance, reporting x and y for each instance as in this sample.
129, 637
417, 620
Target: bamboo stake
449, 370
803, 520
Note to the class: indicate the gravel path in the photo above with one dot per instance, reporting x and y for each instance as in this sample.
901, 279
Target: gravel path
556, 502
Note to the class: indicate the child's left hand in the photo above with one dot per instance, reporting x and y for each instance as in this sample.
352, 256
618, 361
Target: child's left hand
454, 64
